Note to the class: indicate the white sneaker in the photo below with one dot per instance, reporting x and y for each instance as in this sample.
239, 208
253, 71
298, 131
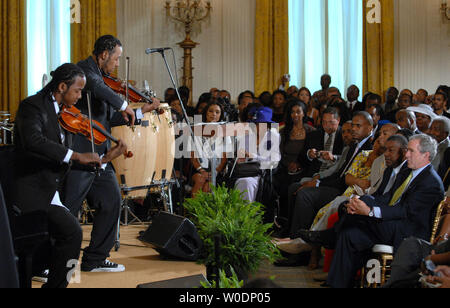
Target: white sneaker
43, 277
104, 267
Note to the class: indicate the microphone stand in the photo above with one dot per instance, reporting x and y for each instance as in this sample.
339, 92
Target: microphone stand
186, 118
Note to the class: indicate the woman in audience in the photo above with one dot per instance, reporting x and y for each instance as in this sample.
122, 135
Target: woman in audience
262, 146
312, 114
206, 148
279, 99
293, 137
203, 101
265, 99
424, 117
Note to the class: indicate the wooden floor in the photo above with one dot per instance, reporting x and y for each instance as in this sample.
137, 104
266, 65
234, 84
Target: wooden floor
144, 265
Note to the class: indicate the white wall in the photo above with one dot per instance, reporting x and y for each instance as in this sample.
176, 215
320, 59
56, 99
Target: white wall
422, 45
224, 58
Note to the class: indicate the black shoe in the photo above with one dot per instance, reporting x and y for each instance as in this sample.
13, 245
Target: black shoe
293, 260
105, 267
326, 238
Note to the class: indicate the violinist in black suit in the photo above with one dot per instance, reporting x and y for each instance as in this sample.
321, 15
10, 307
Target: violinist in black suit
44, 156
101, 190
407, 210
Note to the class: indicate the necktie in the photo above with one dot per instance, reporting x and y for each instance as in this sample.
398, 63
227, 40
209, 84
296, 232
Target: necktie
327, 148
399, 192
350, 161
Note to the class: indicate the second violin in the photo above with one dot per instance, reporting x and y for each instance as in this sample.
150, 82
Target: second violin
72, 120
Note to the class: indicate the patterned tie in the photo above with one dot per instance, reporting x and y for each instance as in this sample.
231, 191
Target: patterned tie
399, 192
327, 148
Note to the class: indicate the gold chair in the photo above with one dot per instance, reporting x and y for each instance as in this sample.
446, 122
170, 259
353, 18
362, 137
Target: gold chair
385, 253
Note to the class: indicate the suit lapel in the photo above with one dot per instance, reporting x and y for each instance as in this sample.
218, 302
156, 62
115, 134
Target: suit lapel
54, 127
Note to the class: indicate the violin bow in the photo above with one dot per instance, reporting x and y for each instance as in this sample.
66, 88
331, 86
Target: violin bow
127, 78
92, 125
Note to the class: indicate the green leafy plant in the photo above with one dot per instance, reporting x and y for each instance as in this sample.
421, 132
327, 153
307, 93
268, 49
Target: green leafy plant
245, 241
225, 282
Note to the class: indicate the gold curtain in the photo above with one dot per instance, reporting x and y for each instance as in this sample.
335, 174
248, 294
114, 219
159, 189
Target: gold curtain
98, 17
378, 50
271, 44
13, 73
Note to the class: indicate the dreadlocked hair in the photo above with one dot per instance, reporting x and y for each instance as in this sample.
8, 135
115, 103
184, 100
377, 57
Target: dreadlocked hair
66, 73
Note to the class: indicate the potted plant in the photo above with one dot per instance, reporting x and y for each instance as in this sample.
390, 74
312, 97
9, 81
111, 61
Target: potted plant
244, 238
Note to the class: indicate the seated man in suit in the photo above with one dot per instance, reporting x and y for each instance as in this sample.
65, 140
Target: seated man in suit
388, 219
44, 156
324, 146
440, 131
306, 200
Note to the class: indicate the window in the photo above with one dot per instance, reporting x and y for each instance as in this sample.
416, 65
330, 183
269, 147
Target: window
48, 39
326, 36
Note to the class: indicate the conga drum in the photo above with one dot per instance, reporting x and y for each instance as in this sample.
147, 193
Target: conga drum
165, 154
142, 140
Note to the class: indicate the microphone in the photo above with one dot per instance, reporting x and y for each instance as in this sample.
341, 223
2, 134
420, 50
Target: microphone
153, 50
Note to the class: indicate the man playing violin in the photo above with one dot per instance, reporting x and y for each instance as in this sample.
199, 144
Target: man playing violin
101, 189
44, 153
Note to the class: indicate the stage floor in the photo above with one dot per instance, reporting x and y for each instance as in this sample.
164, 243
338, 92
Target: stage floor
144, 265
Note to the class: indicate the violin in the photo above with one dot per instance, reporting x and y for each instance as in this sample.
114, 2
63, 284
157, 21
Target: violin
134, 95
72, 120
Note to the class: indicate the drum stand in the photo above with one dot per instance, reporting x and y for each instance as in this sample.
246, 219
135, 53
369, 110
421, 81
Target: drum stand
166, 197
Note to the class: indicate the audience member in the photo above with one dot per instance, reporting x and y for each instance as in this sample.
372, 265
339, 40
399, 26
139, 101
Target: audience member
279, 99
440, 131
324, 146
420, 97
406, 211
203, 101
244, 99
406, 119
440, 104
267, 151
390, 100
169, 94
265, 99
325, 82
293, 137
338, 103
424, 117
307, 199
404, 102
207, 148
353, 104
312, 114
375, 112
406, 267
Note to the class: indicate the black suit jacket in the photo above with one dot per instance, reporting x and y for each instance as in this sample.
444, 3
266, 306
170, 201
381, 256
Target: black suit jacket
39, 153
404, 172
316, 140
105, 104
359, 106
338, 181
444, 169
414, 214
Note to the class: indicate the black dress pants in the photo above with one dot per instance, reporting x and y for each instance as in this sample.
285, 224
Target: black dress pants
356, 237
9, 276
102, 193
66, 235
305, 205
